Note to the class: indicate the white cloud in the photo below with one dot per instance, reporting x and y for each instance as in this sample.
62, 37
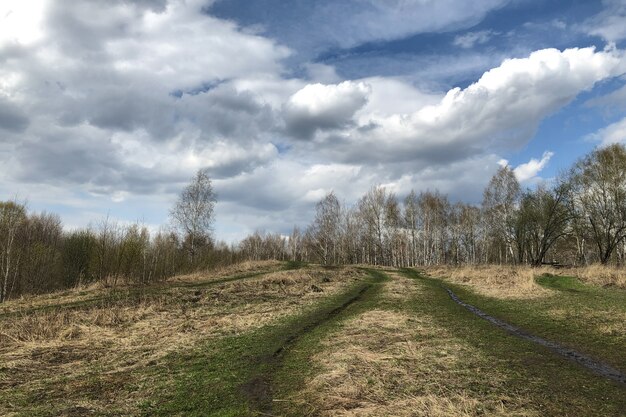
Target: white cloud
358, 21
388, 96
610, 23
500, 111
613, 133
319, 106
529, 170
21, 21
122, 101
468, 40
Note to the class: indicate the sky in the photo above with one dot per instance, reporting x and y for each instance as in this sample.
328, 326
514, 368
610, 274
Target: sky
108, 108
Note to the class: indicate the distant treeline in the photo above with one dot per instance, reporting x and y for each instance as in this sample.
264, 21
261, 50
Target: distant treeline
575, 219
37, 255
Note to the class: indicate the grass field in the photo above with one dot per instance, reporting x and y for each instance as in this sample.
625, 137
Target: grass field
296, 340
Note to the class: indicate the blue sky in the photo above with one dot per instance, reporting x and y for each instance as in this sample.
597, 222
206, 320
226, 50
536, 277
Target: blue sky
108, 108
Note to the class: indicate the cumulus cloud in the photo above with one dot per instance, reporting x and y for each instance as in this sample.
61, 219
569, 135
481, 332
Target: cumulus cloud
324, 107
468, 40
501, 111
97, 83
528, 171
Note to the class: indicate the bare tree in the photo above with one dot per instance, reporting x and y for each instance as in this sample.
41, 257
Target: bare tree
294, 244
193, 212
326, 227
411, 222
12, 217
372, 213
464, 230
543, 218
500, 201
434, 210
599, 184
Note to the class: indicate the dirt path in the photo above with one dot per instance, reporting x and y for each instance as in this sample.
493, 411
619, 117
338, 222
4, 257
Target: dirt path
259, 389
595, 366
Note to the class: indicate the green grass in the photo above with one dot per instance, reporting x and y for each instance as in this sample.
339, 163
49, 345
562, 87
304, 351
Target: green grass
576, 315
261, 371
553, 384
236, 376
297, 365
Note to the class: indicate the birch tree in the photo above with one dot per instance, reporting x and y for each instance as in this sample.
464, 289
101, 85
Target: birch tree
500, 201
12, 217
193, 212
599, 192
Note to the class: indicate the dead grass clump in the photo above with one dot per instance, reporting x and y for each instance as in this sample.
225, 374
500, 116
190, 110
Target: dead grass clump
101, 289
399, 288
227, 271
386, 363
500, 281
597, 274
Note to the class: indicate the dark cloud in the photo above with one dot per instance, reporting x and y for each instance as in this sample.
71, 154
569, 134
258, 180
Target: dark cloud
12, 117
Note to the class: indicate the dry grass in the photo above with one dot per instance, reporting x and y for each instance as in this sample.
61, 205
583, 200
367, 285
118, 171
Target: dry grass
500, 281
100, 289
399, 288
518, 282
105, 345
609, 323
387, 363
227, 271
597, 274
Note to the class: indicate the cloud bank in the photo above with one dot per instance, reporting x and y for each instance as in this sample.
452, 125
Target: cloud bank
109, 103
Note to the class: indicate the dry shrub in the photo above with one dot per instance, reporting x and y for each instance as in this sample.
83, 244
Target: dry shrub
387, 363
500, 281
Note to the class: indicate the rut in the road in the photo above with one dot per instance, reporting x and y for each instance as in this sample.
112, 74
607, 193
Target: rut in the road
259, 389
597, 367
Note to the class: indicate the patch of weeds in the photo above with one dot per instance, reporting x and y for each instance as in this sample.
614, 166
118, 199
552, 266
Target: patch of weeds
291, 265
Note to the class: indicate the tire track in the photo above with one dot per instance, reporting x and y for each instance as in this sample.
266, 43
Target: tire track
597, 367
259, 390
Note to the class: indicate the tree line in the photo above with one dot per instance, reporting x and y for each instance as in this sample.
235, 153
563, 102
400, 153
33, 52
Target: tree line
37, 255
577, 218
